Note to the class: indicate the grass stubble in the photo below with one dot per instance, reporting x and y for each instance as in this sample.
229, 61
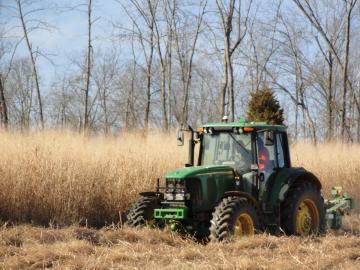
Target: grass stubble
64, 181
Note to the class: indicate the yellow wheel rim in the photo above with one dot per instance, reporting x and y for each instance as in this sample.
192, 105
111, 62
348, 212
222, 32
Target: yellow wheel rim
307, 218
244, 225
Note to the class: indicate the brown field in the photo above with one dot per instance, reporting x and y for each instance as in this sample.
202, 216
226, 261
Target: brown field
61, 179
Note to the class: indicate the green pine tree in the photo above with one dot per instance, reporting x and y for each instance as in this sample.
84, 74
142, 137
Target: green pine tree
264, 107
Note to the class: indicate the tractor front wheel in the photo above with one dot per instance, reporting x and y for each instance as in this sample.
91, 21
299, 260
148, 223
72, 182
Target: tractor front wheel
142, 212
302, 212
234, 216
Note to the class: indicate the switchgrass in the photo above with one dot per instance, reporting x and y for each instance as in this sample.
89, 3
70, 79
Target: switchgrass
63, 178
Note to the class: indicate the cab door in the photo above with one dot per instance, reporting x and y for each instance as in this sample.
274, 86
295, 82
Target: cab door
271, 157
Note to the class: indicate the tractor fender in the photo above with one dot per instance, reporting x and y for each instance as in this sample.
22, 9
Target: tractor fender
279, 183
248, 196
299, 175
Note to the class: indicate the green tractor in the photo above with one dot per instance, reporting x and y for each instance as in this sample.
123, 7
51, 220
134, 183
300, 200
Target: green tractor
242, 183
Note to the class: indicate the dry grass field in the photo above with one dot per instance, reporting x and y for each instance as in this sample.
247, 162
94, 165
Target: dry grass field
27, 247
66, 182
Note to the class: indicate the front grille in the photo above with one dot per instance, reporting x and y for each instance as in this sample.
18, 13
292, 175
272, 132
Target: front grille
194, 188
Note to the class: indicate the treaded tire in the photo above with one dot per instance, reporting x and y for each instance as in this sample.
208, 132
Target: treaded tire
141, 212
298, 193
225, 215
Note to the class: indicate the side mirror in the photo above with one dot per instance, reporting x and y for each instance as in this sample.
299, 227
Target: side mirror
269, 138
180, 138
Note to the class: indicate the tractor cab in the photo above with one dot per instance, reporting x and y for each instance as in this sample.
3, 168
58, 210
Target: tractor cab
247, 148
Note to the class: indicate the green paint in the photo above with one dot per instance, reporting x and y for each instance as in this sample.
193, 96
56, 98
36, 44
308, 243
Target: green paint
187, 172
173, 227
336, 207
277, 188
171, 213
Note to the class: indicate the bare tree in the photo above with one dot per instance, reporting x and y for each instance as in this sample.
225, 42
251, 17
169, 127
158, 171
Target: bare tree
186, 55
88, 68
350, 4
292, 44
22, 17
309, 12
20, 98
328, 88
227, 17
146, 38
163, 68
105, 73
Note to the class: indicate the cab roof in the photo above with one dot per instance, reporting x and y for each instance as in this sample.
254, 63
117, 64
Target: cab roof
243, 123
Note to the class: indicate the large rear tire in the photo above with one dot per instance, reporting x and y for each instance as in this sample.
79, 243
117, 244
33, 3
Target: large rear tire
302, 212
141, 212
234, 216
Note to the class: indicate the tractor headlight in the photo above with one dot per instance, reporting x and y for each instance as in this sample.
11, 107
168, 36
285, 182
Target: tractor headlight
175, 189
178, 186
174, 185
170, 187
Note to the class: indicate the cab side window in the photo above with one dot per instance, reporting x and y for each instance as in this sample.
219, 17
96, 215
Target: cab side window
266, 154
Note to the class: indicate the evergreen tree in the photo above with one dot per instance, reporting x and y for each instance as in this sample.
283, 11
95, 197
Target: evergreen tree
263, 106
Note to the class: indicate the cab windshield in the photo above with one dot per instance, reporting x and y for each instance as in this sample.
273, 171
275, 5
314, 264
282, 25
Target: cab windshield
227, 148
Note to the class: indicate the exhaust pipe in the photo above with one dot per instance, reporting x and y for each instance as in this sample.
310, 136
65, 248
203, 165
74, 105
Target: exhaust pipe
191, 148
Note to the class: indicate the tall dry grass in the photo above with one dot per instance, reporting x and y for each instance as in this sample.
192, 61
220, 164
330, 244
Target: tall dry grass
64, 178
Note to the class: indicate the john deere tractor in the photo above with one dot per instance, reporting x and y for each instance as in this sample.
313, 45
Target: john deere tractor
242, 183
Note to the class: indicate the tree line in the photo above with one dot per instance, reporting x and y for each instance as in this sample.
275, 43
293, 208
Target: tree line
169, 62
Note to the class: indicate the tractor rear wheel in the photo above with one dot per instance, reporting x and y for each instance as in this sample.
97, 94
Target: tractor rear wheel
234, 216
302, 212
142, 212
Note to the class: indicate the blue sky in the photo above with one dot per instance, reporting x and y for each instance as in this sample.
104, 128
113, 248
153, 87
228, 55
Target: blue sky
67, 37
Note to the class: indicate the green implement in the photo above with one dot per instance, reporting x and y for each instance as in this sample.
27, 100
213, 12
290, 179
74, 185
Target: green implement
336, 207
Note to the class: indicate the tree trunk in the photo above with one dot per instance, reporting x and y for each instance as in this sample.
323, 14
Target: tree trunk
148, 75
127, 113
106, 116
296, 113
33, 64
226, 79
163, 73
88, 71
231, 92
345, 77
169, 70
230, 47
187, 66
311, 125
330, 100
163, 99
3, 106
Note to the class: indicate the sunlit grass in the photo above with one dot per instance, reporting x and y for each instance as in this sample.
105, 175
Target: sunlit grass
64, 178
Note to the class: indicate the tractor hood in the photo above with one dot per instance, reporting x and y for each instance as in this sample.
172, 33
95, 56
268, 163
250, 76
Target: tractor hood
201, 170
